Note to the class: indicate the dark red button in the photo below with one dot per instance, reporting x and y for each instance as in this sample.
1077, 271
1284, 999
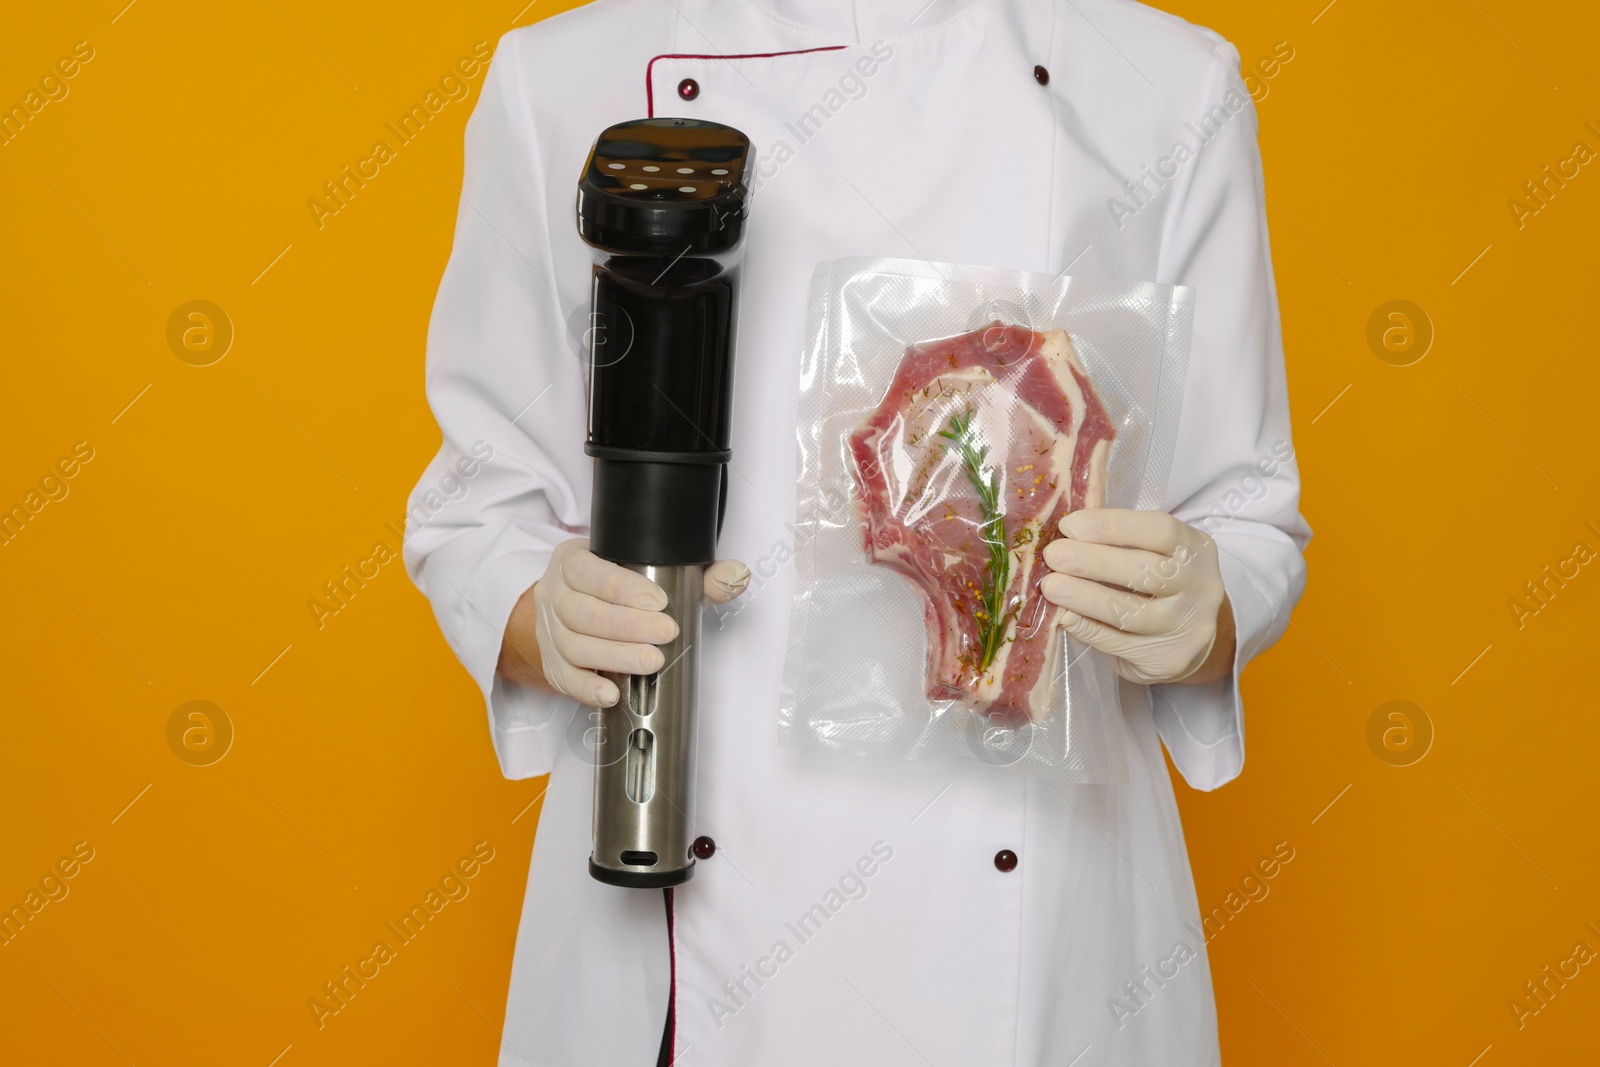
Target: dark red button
689, 88
705, 848
1005, 860
1041, 75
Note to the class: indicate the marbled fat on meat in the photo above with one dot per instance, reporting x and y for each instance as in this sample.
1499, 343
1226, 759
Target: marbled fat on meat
1028, 401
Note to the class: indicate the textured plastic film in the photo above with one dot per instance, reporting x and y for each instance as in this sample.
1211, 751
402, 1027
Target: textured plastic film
949, 416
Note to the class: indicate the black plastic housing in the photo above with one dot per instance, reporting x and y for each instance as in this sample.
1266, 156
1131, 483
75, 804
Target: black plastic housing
663, 512
662, 202
640, 879
665, 187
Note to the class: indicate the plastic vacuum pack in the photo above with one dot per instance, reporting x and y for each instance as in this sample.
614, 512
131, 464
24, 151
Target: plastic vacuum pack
949, 417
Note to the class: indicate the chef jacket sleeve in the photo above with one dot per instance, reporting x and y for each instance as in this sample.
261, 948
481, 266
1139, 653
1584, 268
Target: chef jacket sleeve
510, 481
1234, 474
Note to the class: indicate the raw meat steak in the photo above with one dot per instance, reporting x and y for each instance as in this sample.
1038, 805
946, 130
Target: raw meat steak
983, 442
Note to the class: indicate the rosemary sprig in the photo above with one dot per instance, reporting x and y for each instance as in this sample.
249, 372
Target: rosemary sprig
991, 616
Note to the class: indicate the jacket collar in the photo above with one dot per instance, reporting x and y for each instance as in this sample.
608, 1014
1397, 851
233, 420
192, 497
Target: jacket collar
863, 21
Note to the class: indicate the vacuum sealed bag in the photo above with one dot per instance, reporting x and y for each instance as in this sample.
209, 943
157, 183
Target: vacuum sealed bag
950, 416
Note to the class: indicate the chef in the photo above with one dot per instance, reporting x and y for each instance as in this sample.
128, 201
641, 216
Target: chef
947, 914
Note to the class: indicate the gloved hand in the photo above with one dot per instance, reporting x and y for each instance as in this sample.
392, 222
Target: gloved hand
586, 614
1144, 587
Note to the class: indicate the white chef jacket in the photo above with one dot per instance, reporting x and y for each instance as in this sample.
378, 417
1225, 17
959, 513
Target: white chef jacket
856, 916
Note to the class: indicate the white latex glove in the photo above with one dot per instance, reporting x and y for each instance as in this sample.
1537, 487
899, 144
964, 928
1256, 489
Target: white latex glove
1140, 585
587, 614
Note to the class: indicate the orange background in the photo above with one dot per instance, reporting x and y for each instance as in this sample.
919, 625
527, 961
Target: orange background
179, 564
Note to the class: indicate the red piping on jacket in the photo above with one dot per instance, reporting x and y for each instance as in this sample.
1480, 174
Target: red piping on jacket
672, 987
649, 88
